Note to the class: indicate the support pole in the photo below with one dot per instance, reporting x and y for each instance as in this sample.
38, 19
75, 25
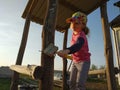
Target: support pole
65, 62
14, 82
48, 35
111, 81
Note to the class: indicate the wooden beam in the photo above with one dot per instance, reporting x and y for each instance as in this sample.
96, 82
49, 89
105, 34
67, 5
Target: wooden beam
14, 82
108, 49
48, 35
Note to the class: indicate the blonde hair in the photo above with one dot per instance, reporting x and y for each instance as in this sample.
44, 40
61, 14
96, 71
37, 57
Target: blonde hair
86, 30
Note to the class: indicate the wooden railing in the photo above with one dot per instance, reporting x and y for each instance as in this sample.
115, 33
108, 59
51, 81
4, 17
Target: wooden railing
94, 72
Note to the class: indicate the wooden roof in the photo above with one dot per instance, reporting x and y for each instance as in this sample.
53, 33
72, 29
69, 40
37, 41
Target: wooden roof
117, 4
115, 22
65, 9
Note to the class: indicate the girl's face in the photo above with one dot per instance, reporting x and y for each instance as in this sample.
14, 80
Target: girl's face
77, 26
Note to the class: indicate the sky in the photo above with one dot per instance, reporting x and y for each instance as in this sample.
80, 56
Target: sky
11, 29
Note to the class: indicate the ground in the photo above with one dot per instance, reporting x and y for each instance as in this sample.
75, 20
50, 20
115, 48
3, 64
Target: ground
96, 86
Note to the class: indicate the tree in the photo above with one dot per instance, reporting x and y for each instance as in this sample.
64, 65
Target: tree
102, 67
93, 67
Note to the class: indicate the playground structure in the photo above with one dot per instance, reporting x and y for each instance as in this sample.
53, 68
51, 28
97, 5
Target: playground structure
115, 25
52, 15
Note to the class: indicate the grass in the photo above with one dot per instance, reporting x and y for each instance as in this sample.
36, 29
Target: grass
5, 83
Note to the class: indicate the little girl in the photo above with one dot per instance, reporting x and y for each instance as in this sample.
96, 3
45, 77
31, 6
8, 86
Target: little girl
79, 50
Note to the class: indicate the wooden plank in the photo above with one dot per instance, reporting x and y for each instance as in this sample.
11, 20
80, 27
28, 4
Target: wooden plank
108, 49
93, 72
36, 72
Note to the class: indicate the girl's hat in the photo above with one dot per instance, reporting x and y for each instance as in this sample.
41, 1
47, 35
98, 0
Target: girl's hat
77, 17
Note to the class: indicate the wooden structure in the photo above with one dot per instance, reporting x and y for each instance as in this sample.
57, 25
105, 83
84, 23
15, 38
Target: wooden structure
108, 49
52, 14
115, 25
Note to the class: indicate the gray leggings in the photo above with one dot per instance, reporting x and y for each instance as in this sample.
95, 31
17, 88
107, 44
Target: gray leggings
78, 75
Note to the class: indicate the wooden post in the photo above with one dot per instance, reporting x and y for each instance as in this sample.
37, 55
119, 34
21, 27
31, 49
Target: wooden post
48, 35
108, 50
14, 82
65, 62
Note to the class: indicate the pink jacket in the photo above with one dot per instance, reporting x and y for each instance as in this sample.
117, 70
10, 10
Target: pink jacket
83, 54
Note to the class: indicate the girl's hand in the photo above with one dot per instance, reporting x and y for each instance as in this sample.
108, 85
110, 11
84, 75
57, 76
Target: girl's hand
63, 53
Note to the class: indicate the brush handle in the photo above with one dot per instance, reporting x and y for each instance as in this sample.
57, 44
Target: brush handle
68, 57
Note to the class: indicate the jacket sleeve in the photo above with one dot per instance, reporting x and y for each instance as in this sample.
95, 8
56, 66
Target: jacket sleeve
77, 46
